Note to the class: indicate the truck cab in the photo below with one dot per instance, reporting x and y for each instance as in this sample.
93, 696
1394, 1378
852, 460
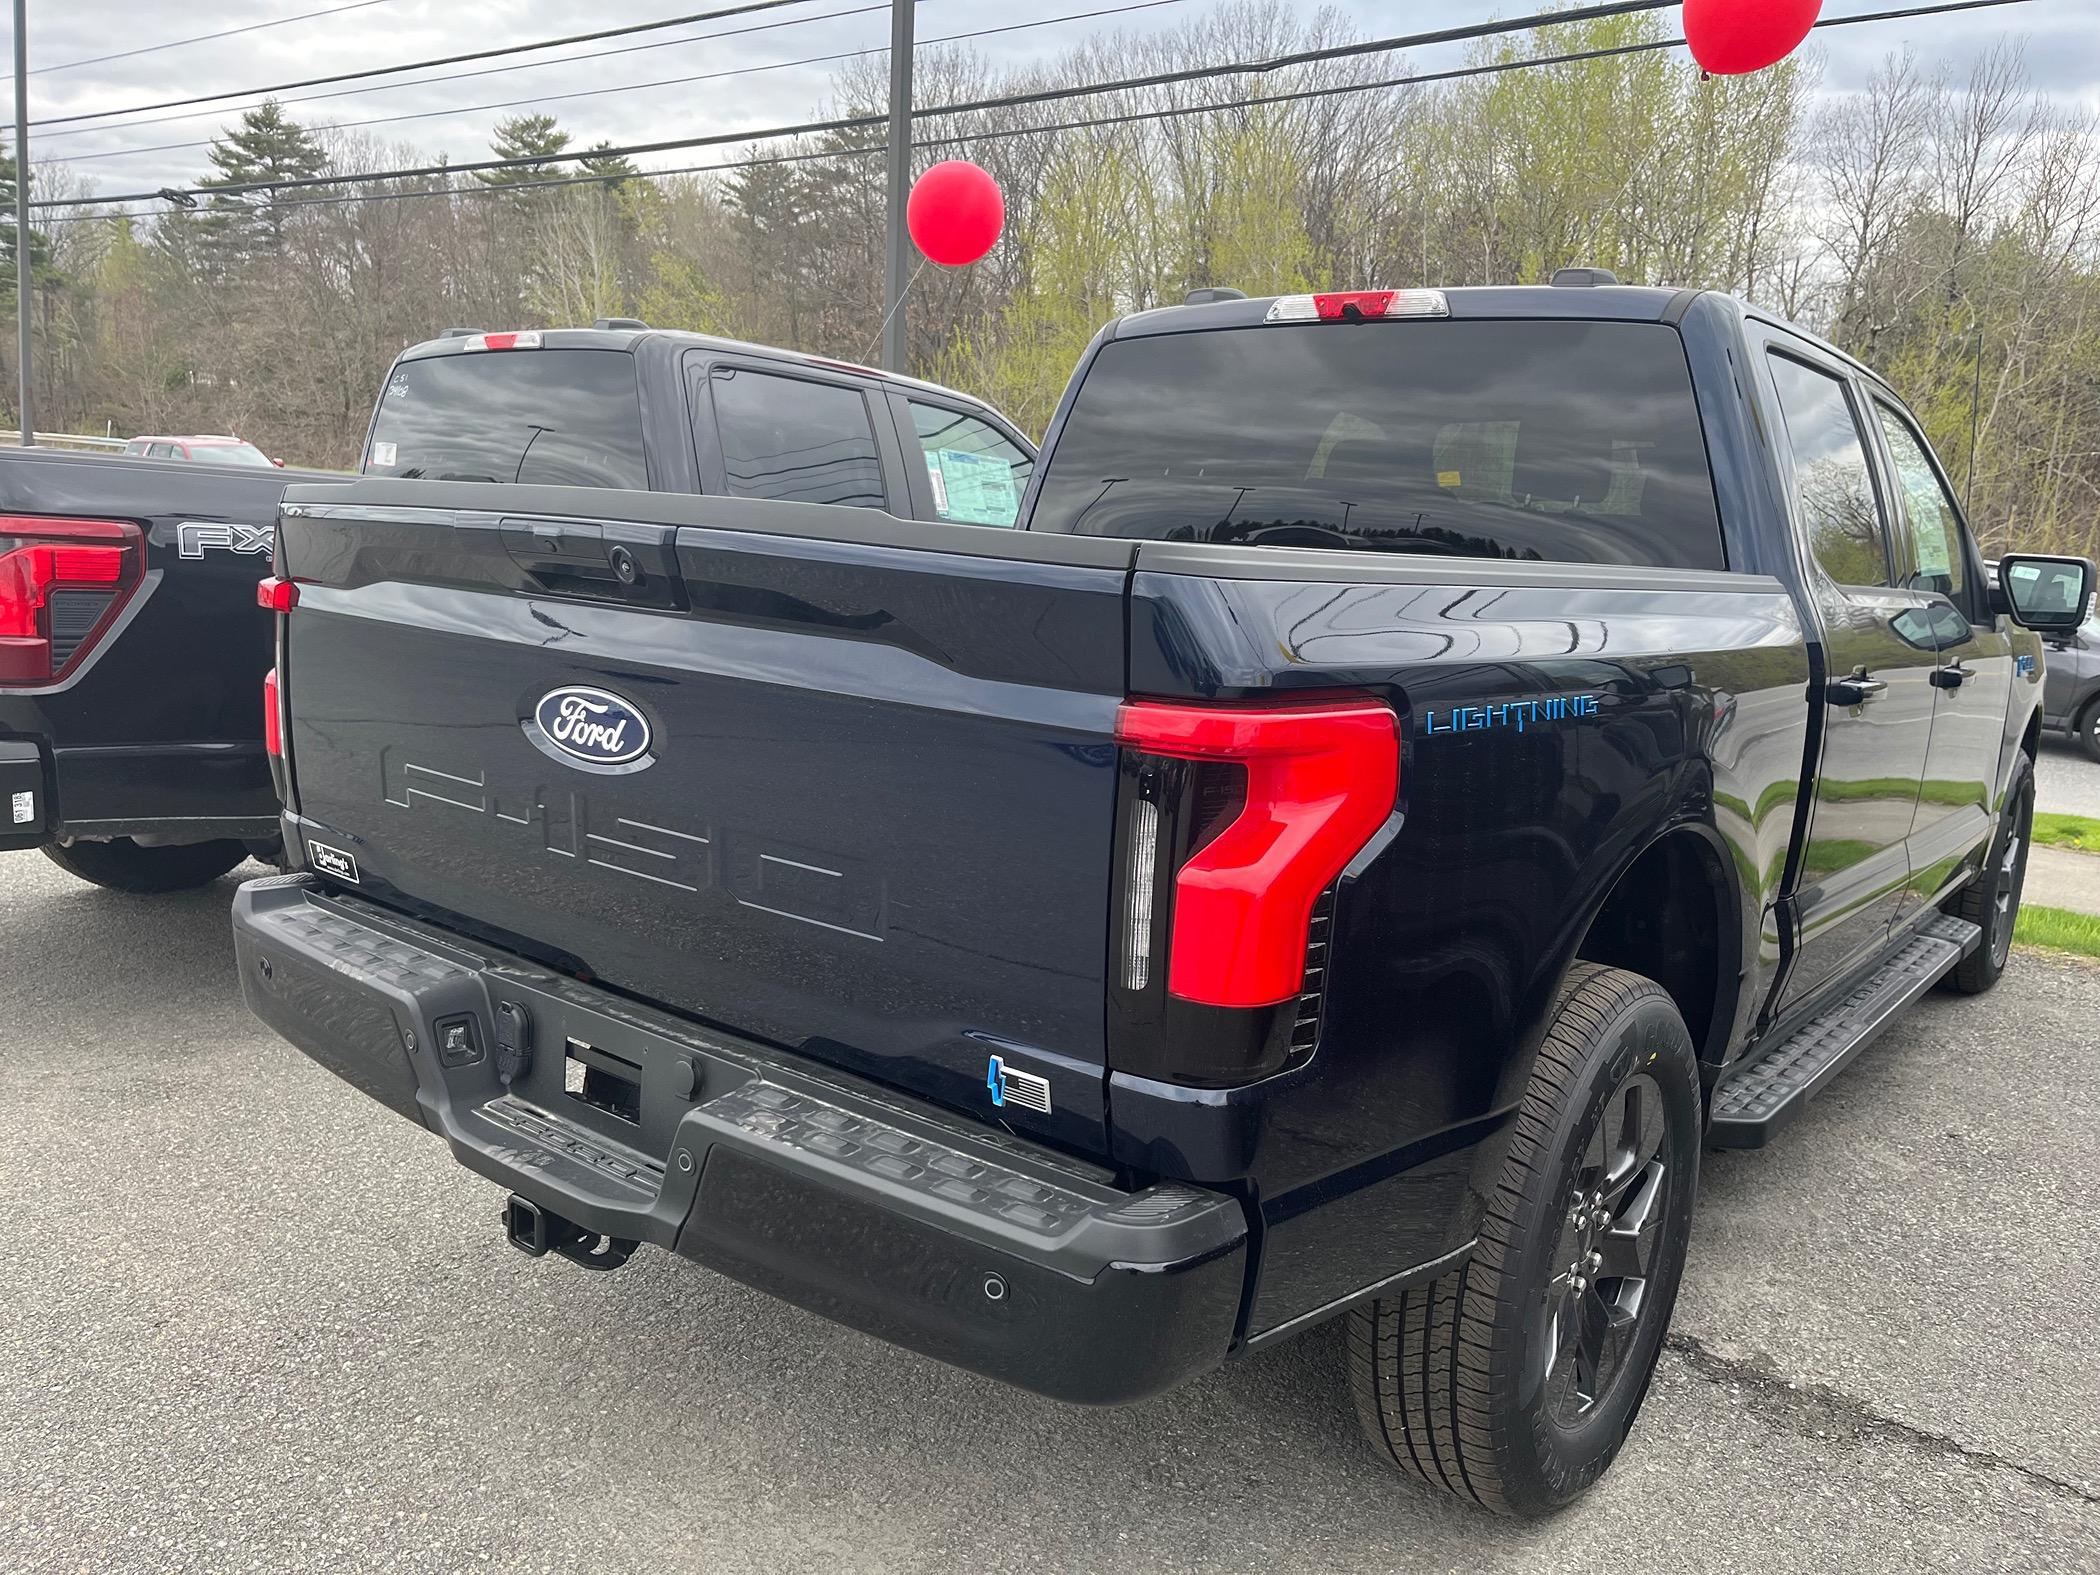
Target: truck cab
645, 410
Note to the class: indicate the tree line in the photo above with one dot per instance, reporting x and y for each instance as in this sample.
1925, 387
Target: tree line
1944, 229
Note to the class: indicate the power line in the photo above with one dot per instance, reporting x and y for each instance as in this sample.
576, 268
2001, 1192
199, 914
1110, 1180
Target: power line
493, 71
1006, 101
633, 87
202, 38
1301, 95
417, 65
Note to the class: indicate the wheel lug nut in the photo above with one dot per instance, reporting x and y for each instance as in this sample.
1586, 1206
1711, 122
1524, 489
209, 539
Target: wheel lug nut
1596, 1260
1578, 1285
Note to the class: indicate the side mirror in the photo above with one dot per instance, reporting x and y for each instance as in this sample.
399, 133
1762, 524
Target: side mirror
2047, 595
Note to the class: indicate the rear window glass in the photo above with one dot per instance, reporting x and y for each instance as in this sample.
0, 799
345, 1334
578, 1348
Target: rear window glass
788, 437
1562, 441
568, 418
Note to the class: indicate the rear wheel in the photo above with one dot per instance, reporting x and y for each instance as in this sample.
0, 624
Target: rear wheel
1992, 900
1513, 1381
124, 865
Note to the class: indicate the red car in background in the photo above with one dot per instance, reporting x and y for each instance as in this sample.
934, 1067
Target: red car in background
206, 448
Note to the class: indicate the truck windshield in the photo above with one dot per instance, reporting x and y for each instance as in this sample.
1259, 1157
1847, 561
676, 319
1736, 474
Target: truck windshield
1564, 441
566, 418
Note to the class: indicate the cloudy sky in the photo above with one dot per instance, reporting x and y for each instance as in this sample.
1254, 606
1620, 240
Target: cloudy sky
454, 117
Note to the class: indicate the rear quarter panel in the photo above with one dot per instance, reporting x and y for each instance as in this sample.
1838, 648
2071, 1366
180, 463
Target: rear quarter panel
1557, 720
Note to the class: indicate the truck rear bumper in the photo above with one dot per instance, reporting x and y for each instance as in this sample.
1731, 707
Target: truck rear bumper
911, 1224
153, 793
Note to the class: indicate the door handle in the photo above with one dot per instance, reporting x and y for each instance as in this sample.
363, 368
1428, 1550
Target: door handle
1948, 677
1855, 690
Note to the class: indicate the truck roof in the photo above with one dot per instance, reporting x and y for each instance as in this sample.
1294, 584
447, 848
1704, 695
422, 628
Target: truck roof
1606, 302
627, 338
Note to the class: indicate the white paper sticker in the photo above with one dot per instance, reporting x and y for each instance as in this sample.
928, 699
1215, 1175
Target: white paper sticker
24, 808
383, 454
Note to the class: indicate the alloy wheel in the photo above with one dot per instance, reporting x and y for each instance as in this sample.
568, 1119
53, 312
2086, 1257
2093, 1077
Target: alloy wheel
1612, 1222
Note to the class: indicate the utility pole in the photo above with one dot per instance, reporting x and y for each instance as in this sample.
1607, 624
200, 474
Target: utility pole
897, 272
24, 271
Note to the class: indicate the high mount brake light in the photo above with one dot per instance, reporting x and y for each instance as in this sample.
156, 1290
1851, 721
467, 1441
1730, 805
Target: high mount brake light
63, 584
1356, 306
1318, 783
528, 340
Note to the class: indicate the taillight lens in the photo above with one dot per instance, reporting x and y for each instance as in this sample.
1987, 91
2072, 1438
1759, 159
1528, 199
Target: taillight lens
277, 595
63, 583
1237, 821
273, 717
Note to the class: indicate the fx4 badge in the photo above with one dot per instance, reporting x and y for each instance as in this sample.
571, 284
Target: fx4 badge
1010, 1087
196, 538
591, 729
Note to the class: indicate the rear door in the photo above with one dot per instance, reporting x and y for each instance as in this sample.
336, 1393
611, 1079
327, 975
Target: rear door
839, 781
1877, 704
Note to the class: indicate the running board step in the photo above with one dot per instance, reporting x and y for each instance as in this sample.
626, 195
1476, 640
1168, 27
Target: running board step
1762, 1095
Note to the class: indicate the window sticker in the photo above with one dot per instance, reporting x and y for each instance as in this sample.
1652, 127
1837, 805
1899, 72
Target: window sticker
1928, 523
973, 489
383, 454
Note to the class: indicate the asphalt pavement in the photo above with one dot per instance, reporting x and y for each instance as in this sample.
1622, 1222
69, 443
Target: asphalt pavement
249, 1320
2066, 780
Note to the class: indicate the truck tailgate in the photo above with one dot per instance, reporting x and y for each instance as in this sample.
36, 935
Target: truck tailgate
839, 781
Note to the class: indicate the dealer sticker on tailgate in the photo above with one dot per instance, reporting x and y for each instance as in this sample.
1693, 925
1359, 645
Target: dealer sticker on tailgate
331, 861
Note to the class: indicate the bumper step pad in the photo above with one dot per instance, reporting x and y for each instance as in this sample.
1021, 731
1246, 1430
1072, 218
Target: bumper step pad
1762, 1095
903, 1219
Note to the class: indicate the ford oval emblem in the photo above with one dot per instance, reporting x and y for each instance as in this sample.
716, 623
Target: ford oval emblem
591, 728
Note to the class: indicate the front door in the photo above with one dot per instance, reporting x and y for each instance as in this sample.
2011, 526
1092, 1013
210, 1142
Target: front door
1878, 688
1957, 808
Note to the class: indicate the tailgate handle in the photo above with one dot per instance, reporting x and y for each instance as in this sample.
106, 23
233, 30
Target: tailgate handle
626, 563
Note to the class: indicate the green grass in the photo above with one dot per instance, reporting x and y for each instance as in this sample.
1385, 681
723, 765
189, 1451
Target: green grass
2059, 930
2067, 831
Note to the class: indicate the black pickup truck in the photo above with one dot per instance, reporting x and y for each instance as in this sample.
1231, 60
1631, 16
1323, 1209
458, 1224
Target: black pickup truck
132, 652
131, 655
1429, 761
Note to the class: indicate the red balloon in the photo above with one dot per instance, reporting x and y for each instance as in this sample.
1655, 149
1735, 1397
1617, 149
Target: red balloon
1731, 37
955, 213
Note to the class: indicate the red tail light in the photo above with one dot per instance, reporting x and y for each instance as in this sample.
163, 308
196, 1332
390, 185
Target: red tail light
273, 718
63, 584
1318, 783
277, 595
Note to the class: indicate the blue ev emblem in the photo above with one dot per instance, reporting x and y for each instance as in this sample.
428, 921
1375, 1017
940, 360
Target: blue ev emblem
1010, 1087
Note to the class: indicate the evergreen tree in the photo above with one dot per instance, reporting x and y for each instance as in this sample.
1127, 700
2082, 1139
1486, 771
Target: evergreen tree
616, 168
39, 243
264, 149
524, 137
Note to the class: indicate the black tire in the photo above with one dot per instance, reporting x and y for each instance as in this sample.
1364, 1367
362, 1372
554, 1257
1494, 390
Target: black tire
1992, 899
1472, 1382
123, 865
2087, 732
